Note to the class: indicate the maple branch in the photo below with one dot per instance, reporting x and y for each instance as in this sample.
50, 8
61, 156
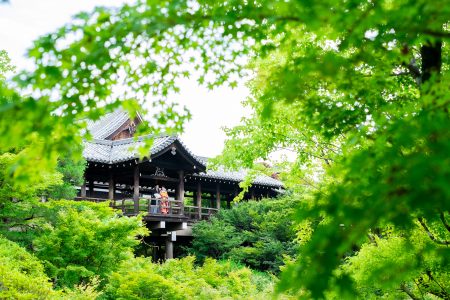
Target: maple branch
444, 221
405, 289
431, 235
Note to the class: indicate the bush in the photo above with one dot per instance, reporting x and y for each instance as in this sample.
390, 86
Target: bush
257, 234
139, 278
21, 274
82, 240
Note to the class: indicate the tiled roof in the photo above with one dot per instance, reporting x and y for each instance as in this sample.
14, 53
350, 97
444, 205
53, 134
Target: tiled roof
110, 152
239, 176
107, 124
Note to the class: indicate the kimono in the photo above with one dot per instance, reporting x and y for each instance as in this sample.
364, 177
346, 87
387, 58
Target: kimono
164, 202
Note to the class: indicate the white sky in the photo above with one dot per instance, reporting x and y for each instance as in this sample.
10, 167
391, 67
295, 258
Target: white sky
22, 21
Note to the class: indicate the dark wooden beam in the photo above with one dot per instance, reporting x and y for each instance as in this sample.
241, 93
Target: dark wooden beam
180, 190
169, 245
199, 200
218, 196
136, 189
91, 188
83, 190
111, 187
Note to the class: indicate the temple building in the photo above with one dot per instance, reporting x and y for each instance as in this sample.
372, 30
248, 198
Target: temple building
117, 173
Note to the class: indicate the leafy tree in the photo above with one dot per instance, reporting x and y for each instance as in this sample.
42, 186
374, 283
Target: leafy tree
82, 240
257, 234
19, 203
214, 239
72, 170
395, 267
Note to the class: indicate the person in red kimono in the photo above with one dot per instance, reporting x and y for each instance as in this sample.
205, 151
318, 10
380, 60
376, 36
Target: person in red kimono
164, 201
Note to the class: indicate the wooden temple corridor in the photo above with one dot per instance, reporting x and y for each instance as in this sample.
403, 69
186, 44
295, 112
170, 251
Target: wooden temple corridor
117, 173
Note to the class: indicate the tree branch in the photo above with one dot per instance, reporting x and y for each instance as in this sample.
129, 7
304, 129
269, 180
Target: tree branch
414, 71
443, 292
408, 292
438, 34
431, 235
444, 221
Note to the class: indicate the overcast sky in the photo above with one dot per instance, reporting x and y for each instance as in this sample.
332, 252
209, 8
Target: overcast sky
22, 21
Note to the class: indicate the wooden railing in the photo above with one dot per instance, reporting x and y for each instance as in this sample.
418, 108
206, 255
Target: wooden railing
192, 212
157, 207
152, 206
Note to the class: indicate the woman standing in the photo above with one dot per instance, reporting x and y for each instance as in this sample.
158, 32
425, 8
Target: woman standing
164, 201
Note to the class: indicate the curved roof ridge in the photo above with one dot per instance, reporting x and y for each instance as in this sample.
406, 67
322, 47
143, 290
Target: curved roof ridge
107, 151
239, 175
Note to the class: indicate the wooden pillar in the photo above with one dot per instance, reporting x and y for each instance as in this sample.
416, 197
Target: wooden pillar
212, 200
229, 201
218, 196
199, 200
83, 190
180, 191
169, 248
136, 189
171, 237
111, 187
91, 188
252, 194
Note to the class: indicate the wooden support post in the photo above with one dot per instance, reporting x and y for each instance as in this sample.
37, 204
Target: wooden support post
199, 200
218, 196
252, 195
169, 248
83, 190
180, 191
212, 200
136, 189
111, 187
91, 188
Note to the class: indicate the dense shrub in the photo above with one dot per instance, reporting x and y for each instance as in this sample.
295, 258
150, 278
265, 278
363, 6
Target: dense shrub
257, 234
21, 274
81, 240
180, 279
22, 277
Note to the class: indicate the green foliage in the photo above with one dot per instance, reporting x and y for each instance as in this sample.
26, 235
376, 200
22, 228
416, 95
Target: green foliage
19, 203
257, 234
5, 64
179, 279
82, 240
357, 89
73, 176
22, 277
389, 266
214, 239
21, 274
